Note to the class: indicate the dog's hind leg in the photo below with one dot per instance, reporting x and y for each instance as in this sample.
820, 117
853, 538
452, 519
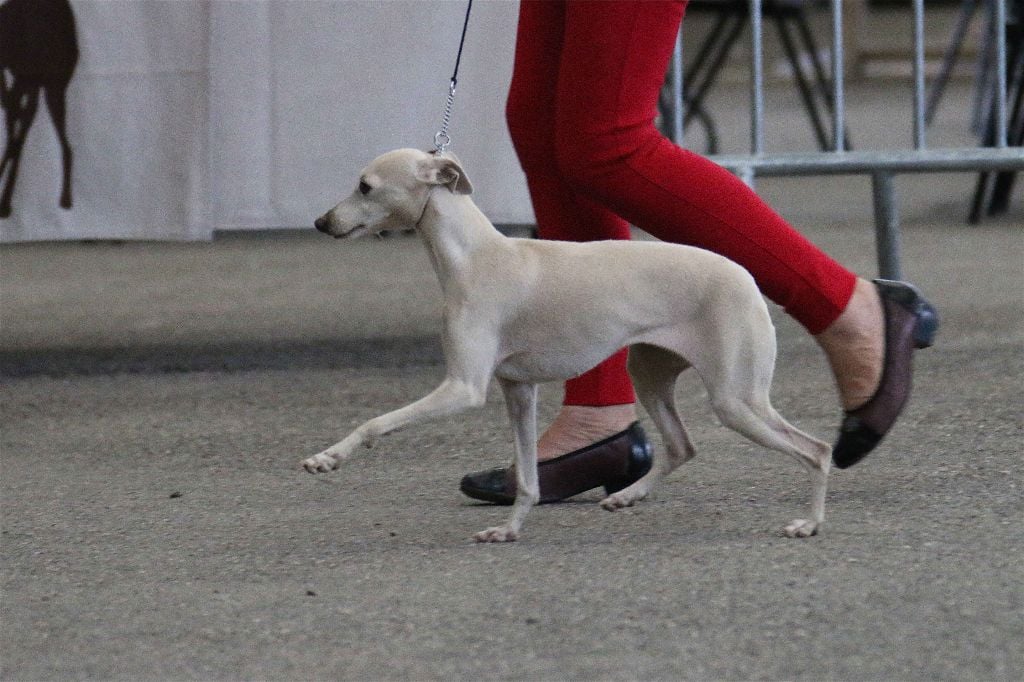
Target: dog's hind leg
56, 104
654, 372
755, 418
521, 402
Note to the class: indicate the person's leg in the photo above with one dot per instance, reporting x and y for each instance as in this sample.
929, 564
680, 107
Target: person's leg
614, 57
600, 402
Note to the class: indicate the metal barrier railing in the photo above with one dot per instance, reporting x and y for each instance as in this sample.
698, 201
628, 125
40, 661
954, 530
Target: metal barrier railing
882, 166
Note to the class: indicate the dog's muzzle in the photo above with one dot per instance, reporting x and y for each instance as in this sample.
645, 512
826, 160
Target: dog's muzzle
321, 224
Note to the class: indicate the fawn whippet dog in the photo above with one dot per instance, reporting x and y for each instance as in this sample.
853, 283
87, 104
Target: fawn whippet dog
527, 311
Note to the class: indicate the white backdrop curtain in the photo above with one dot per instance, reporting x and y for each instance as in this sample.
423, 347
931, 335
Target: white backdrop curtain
188, 116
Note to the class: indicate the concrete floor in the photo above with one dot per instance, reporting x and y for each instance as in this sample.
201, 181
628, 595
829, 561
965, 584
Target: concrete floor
157, 399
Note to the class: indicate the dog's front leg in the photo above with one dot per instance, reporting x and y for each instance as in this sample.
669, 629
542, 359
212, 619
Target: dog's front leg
452, 396
521, 401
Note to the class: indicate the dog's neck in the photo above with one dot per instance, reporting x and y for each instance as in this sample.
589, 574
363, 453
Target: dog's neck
453, 228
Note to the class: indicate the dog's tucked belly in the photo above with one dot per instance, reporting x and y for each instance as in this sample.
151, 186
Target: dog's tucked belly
563, 359
541, 367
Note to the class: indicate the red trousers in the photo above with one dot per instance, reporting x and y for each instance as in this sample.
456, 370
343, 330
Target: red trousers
581, 112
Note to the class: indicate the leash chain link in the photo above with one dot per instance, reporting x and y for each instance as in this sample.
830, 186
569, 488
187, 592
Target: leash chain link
442, 140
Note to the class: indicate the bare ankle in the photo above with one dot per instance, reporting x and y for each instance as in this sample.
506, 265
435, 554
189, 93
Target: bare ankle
577, 426
855, 346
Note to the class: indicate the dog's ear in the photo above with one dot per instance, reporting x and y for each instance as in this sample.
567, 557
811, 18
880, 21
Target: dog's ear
444, 170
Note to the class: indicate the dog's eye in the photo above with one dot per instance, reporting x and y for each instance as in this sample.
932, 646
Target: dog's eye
363, 187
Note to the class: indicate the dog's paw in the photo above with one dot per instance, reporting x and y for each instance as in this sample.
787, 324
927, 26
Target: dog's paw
801, 528
318, 464
497, 534
619, 501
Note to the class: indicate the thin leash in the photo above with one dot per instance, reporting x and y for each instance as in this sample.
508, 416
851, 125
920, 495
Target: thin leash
442, 140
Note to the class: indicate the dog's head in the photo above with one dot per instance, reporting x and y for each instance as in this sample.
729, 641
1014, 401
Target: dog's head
392, 193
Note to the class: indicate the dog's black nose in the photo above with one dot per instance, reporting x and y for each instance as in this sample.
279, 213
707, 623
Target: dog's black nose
321, 224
